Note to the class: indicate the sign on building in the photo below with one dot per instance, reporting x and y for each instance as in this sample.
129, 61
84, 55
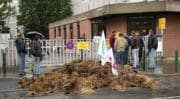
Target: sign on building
162, 23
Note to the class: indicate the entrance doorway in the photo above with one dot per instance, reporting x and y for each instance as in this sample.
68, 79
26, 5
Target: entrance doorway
141, 23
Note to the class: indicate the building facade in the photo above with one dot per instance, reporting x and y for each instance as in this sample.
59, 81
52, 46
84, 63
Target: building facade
122, 16
80, 6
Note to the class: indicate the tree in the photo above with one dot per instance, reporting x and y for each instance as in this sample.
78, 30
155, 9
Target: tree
6, 10
35, 15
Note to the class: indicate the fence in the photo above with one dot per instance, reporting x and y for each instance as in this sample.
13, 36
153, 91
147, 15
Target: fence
55, 52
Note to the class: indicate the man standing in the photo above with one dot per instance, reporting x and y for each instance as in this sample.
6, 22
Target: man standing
21, 50
119, 46
135, 45
152, 47
126, 53
112, 40
140, 48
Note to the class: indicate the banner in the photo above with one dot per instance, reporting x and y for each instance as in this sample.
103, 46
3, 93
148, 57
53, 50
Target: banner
110, 58
83, 45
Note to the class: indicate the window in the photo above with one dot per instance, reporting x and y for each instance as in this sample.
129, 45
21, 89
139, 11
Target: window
59, 31
54, 32
78, 30
141, 23
64, 31
98, 26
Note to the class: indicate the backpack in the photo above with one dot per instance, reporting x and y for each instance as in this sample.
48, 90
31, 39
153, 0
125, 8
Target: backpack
33, 49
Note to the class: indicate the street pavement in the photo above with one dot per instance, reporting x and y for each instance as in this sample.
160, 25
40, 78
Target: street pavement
166, 88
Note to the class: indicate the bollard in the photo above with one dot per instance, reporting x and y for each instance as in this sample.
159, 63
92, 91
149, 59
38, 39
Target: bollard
144, 60
176, 61
4, 63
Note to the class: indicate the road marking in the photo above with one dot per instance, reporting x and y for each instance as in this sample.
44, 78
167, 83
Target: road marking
168, 97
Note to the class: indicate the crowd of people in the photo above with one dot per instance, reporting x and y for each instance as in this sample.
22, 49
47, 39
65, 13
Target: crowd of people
120, 46
123, 43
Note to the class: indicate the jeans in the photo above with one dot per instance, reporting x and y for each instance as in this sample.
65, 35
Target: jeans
21, 62
135, 53
140, 54
119, 57
126, 56
152, 58
37, 65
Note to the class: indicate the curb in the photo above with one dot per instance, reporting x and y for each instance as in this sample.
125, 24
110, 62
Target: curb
12, 90
11, 78
161, 75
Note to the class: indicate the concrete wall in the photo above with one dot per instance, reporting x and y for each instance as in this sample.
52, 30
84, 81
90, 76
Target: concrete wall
145, 6
80, 6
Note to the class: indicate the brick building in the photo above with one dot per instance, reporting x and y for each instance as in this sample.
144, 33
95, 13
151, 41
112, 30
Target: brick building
124, 17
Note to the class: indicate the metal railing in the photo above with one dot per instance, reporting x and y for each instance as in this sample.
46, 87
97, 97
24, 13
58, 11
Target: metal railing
55, 52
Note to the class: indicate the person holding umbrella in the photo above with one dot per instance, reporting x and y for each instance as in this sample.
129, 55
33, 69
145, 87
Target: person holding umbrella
37, 53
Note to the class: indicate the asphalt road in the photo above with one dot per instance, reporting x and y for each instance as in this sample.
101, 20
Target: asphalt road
163, 90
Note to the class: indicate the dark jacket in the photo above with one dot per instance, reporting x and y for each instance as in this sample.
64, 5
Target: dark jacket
141, 43
37, 47
152, 42
135, 42
129, 42
20, 45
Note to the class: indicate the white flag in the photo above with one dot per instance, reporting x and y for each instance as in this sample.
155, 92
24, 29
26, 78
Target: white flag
106, 56
110, 58
102, 48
